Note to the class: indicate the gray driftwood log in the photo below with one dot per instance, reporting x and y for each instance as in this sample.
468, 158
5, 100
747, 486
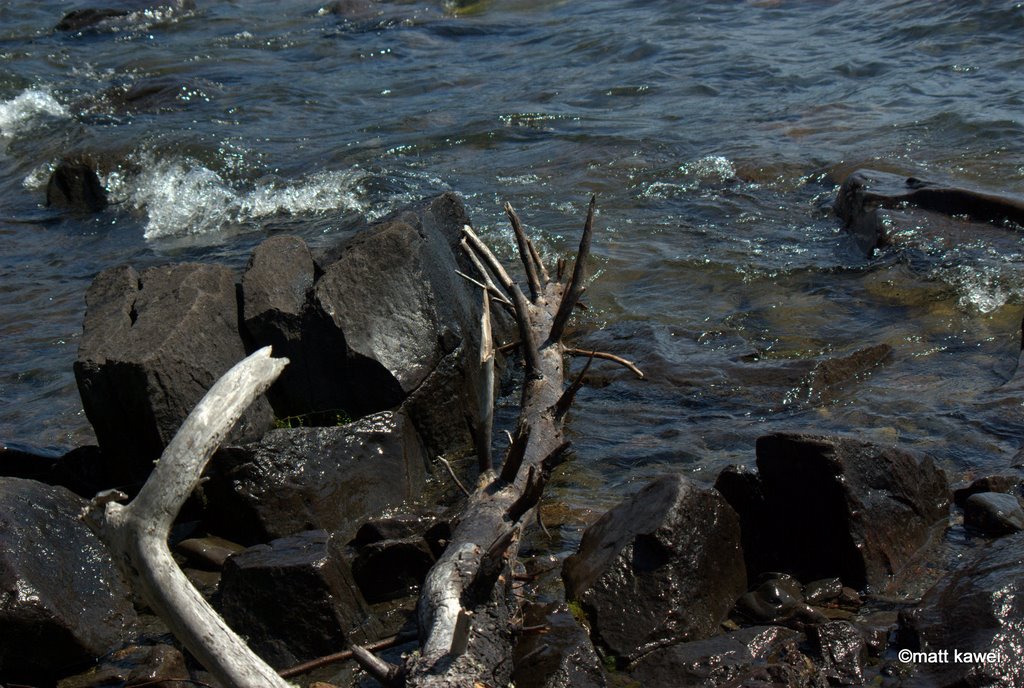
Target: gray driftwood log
136, 533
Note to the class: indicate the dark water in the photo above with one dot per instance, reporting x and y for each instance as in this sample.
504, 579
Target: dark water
707, 129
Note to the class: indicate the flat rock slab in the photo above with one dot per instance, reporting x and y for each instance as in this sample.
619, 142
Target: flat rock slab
153, 343
822, 507
326, 478
62, 601
977, 608
662, 567
295, 600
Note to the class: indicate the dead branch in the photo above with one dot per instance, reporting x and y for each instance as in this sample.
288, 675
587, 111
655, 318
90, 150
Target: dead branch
136, 533
607, 357
575, 287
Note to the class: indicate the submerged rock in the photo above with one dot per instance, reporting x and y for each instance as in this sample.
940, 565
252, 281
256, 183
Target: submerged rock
976, 609
294, 599
328, 478
127, 14
822, 507
62, 601
663, 566
153, 344
993, 513
75, 186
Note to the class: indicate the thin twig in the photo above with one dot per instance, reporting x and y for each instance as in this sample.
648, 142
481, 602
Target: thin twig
385, 672
525, 254
494, 293
345, 656
608, 357
565, 401
451, 472
575, 286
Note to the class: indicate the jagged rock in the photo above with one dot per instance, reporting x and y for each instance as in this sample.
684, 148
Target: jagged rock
842, 650
62, 601
561, 657
822, 507
1010, 484
993, 513
153, 343
329, 478
867, 199
154, 666
752, 654
663, 566
976, 608
294, 599
74, 185
389, 569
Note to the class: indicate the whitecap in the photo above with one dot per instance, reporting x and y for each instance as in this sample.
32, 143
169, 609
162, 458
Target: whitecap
23, 111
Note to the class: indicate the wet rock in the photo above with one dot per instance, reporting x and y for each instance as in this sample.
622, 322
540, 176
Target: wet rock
866, 197
876, 629
294, 599
155, 666
154, 94
737, 658
1010, 484
663, 566
329, 478
75, 186
391, 528
389, 569
993, 513
125, 15
153, 344
409, 322
80, 470
827, 507
561, 657
976, 608
824, 590
62, 601
87, 18
208, 552
842, 650
778, 600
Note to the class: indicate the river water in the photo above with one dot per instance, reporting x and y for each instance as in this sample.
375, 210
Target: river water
712, 133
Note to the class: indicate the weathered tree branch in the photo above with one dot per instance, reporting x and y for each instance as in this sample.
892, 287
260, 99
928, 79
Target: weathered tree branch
137, 533
607, 357
575, 286
527, 252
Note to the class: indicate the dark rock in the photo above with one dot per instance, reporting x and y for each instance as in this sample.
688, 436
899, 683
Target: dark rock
208, 552
75, 186
329, 478
664, 566
391, 528
993, 513
295, 599
62, 601
778, 600
824, 590
129, 13
865, 196
842, 650
876, 629
155, 666
153, 344
89, 17
976, 608
1010, 484
561, 657
835, 507
389, 569
81, 470
738, 658
154, 94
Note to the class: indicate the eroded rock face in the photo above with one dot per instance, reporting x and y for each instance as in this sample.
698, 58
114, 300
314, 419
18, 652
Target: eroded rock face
820, 507
153, 344
976, 608
294, 599
664, 566
327, 478
62, 601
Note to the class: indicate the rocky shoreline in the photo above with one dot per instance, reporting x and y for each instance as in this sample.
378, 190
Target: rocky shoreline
823, 565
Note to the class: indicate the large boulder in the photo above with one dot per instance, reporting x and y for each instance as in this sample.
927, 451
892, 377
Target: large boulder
153, 343
662, 567
327, 478
820, 507
62, 601
970, 625
294, 599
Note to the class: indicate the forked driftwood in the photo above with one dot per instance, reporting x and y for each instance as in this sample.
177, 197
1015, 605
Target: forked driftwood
466, 609
136, 533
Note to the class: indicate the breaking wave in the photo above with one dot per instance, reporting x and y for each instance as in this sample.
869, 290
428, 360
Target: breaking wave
22, 112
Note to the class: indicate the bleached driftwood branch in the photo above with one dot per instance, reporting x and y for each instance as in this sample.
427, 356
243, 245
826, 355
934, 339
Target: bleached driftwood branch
136, 533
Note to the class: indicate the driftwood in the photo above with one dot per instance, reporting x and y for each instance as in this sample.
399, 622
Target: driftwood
467, 611
136, 533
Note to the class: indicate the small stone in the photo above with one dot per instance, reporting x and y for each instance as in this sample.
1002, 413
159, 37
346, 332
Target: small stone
993, 513
990, 483
208, 552
823, 590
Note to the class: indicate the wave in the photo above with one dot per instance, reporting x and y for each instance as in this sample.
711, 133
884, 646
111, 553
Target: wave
27, 109
182, 197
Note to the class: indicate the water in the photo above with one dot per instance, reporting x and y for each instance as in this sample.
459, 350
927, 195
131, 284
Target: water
708, 130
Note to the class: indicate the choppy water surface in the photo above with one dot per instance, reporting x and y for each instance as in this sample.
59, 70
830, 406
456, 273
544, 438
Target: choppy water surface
707, 129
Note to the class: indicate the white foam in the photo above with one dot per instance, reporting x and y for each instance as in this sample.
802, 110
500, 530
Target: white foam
26, 109
182, 197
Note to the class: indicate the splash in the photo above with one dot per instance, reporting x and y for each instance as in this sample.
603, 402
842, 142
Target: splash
25, 110
182, 197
